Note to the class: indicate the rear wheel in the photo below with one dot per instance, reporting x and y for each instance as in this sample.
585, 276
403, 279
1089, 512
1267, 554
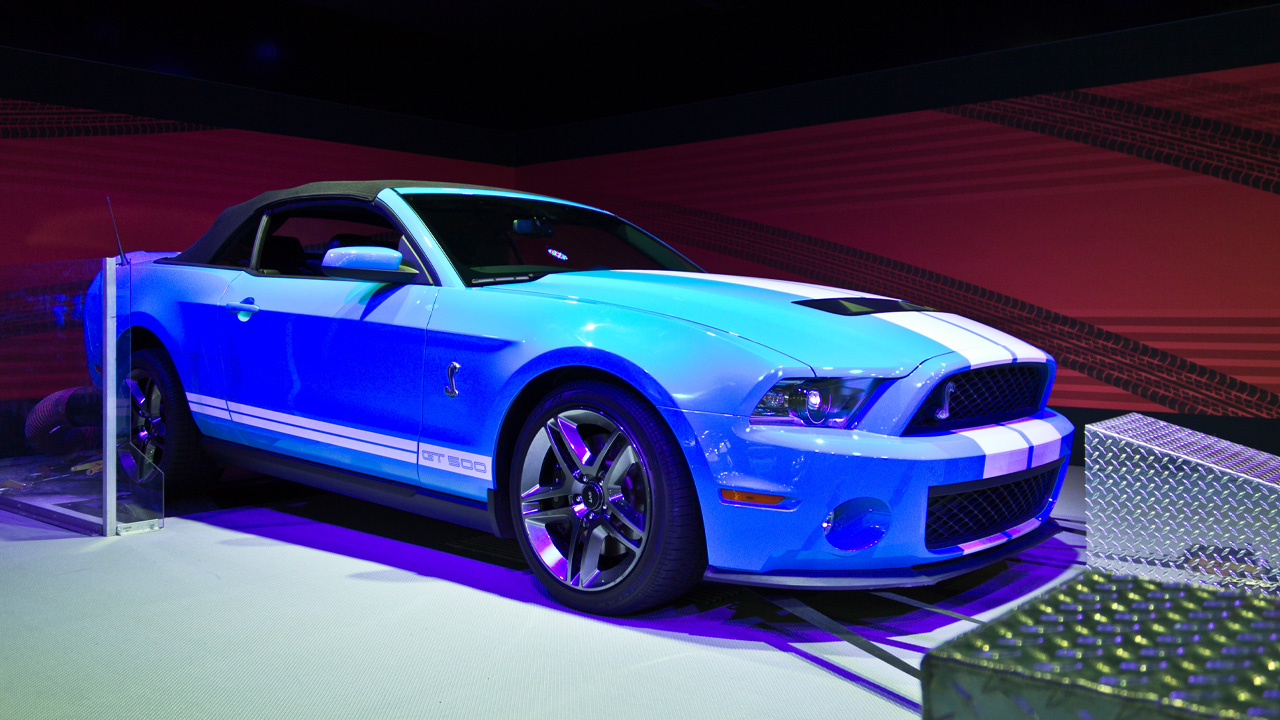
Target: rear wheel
162, 434
603, 503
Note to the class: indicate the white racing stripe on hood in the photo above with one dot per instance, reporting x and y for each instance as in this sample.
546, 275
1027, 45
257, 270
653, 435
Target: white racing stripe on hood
975, 348
1024, 352
804, 290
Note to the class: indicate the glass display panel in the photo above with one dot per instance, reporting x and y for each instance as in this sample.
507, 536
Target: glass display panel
140, 430
52, 424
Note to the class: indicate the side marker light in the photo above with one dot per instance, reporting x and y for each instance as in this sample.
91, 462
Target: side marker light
750, 497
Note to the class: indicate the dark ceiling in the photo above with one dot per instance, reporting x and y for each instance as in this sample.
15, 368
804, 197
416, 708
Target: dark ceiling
520, 65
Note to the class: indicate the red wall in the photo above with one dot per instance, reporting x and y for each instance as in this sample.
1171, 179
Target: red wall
1131, 230
166, 185
1148, 211
167, 181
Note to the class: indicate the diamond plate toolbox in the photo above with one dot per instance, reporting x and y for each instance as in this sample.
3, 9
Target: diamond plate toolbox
1168, 503
1103, 647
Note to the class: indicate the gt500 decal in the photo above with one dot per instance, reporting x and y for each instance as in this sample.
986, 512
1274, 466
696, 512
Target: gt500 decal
454, 461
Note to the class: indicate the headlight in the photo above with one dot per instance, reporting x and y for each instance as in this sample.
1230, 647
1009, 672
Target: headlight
815, 402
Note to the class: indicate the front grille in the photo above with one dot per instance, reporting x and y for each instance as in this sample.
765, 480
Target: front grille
970, 511
982, 397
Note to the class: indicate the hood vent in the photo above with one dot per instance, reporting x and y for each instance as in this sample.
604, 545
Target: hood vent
862, 305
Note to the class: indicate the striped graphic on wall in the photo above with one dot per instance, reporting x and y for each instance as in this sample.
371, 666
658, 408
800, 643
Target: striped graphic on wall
1217, 148
20, 119
1254, 105
41, 327
1244, 347
1162, 377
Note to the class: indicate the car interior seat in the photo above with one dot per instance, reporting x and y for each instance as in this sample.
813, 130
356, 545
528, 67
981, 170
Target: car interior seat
282, 255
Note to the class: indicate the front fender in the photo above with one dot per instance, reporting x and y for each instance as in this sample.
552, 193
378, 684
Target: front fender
503, 341
675, 363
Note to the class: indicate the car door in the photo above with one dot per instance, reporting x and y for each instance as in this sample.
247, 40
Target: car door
473, 347
324, 369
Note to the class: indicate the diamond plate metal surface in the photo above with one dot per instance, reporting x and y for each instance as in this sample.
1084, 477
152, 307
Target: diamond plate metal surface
1114, 647
1168, 503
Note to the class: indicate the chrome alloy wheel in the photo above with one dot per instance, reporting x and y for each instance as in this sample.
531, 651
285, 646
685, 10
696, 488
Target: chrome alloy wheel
146, 412
585, 499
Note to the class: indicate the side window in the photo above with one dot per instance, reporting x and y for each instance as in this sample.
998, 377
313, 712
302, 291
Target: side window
296, 238
238, 250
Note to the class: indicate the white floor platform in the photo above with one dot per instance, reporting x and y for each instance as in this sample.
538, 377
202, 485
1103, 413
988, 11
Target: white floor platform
314, 606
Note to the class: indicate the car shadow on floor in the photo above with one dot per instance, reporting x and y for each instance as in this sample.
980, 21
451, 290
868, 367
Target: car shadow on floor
280, 511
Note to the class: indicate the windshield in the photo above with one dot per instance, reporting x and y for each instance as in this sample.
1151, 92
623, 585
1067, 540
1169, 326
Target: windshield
492, 239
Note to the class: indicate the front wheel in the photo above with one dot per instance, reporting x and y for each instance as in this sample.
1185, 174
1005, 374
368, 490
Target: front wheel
603, 503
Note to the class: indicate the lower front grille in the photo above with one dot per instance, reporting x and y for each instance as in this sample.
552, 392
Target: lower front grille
965, 512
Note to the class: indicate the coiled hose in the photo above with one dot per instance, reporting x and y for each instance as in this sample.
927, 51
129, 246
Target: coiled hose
66, 421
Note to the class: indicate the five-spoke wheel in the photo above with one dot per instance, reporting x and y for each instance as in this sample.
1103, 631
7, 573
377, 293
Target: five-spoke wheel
584, 493
603, 503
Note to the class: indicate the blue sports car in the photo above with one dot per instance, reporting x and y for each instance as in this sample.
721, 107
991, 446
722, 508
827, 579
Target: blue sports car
549, 372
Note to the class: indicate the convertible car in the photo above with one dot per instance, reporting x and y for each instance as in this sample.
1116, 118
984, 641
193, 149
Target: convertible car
551, 373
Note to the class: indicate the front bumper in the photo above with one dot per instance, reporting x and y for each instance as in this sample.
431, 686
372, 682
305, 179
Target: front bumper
927, 574
818, 469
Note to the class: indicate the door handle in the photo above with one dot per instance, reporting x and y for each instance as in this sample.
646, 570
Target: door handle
244, 308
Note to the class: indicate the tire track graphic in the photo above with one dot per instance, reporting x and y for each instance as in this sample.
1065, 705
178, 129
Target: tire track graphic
1146, 371
20, 120
1238, 154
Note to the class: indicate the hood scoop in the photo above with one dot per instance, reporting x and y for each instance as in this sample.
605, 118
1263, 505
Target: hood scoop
862, 306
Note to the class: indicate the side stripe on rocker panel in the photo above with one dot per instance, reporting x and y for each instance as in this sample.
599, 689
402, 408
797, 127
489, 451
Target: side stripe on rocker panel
388, 446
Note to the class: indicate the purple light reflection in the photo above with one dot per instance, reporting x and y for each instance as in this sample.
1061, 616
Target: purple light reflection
700, 617
424, 561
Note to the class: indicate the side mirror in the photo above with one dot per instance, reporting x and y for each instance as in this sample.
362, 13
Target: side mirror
376, 264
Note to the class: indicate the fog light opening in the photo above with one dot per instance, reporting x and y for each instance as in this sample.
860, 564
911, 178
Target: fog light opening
857, 524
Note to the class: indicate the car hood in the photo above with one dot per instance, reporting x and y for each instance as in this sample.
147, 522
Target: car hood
881, 344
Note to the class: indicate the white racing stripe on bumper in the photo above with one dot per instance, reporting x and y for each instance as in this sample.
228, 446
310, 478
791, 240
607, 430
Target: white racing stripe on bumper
1005, 449
999, 538
1046, 441
1015, 446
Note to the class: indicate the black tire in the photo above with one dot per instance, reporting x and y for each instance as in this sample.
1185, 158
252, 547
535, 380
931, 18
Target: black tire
621, 528
161, 428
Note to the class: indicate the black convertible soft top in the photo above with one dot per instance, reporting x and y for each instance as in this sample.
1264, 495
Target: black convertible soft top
202, 250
